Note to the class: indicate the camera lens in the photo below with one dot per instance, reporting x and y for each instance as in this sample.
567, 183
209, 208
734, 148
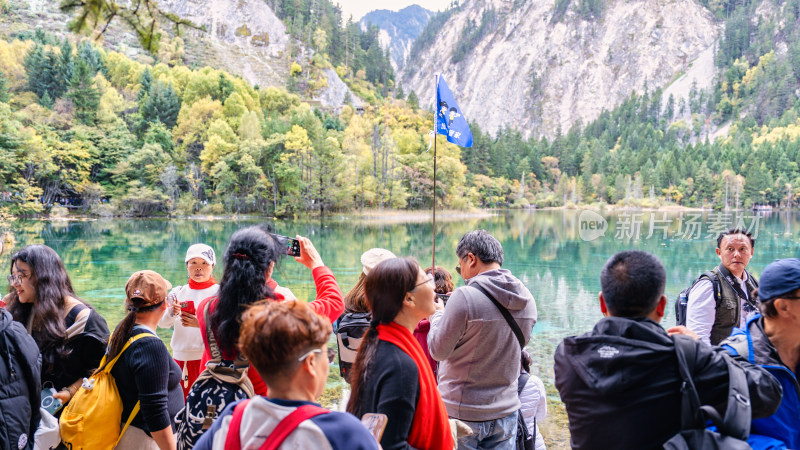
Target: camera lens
47, 402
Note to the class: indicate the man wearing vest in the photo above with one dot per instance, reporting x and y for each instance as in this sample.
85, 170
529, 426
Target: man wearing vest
713, 316
478, 339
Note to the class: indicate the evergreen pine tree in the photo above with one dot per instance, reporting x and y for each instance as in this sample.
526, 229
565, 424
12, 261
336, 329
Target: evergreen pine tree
413, 100
46, 100
398, 92
52, 76
145, 82
225, 87
4, 92
66, 66
162, 104
89, 53
84, 93
34, 67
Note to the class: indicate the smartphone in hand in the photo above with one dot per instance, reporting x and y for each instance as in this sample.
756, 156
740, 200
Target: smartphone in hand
50, 403
375, 423
443, 298
187, 307
292, 245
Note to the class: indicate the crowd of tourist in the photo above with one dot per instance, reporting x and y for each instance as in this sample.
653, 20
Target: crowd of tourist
430, 366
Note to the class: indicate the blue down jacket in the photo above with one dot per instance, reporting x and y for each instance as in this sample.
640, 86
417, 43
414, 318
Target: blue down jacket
753, 344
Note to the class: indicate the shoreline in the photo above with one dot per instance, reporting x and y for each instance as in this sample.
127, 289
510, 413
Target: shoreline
397, 215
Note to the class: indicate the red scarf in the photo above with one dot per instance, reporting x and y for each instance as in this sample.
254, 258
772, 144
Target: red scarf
204, 285
430, 427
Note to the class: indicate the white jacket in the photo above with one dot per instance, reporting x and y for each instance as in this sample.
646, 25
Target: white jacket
534, 404
187, 342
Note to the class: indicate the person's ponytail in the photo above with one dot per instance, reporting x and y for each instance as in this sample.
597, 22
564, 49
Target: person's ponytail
362, 367
385, 289
120, 336
125, 328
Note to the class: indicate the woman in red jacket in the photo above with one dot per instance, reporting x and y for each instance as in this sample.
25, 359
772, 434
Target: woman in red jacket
251, 255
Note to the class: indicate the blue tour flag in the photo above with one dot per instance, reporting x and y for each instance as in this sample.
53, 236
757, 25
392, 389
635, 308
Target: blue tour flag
449, 120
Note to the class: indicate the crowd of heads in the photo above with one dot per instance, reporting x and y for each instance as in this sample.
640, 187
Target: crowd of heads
286, 342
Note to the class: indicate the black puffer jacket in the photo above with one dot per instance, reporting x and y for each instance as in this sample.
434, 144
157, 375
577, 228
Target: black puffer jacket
20, 385
621, 387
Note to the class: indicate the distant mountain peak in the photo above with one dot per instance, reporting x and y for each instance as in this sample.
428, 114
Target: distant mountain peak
398, 29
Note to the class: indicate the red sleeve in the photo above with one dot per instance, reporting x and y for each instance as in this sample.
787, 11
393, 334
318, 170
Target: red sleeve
329, 301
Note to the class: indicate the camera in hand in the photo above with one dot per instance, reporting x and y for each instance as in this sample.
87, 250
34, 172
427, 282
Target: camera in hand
443, 298
292, 245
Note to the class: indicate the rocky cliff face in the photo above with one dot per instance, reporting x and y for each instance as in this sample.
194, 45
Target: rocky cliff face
242, 37
534, 72
398, 29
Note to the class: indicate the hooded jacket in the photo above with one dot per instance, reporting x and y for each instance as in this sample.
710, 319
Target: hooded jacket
479, 353
784, 425
621, 387
20, 384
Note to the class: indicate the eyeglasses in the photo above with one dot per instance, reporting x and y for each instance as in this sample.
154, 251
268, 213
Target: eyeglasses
309, 353
458, 269
16, 279
428, 280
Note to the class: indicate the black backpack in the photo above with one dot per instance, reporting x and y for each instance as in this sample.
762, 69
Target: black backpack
733, 429
682, 302
349, 334
524, 439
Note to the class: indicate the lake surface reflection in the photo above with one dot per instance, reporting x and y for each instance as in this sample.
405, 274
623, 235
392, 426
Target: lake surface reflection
547, 250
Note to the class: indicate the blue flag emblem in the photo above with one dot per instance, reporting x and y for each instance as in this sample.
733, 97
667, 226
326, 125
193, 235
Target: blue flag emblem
449, 120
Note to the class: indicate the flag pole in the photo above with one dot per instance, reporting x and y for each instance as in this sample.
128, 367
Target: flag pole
435, 131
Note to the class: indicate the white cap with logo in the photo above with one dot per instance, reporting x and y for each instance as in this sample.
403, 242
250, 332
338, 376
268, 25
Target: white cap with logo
201, 251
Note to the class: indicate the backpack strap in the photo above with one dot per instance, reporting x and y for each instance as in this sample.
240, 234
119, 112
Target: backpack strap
686, 353
506, 315
738, 414
107, 369
128, 422
289, 424
279, 434
741, 345
522, 381
212, 341
716, 285
233, 441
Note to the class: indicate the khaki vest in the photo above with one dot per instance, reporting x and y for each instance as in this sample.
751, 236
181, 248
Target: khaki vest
729, 308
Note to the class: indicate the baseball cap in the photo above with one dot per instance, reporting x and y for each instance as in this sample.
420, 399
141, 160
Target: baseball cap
780, 277
373, 257
201, 251
148, 286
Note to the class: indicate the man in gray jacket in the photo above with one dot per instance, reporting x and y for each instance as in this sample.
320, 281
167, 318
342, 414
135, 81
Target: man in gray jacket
478, 350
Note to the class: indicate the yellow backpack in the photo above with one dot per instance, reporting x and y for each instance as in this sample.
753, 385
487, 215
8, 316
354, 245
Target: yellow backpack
91, 420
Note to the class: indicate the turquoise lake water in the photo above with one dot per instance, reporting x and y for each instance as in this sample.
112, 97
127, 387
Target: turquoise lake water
557, 254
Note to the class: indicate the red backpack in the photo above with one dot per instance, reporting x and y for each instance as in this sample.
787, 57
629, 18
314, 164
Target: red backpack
279, 434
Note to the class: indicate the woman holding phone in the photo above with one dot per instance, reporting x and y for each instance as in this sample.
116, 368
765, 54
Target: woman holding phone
249, 261
187, 341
